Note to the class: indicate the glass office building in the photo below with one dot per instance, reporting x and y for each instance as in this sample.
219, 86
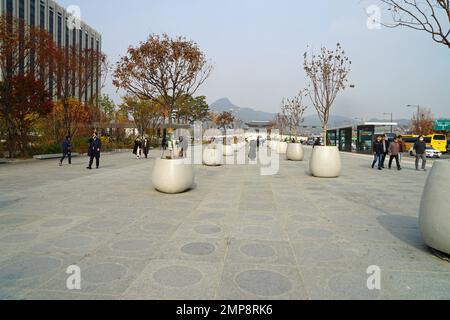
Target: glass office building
57, 21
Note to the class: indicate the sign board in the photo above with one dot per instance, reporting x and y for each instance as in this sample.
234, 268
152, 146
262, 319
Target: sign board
442, 125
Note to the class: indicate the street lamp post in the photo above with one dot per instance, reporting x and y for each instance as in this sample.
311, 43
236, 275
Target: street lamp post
392, 119
418, 109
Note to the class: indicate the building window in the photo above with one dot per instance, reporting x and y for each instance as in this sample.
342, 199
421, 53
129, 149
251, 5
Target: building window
9, 7
22, 9
97, 73
51, 21
59, 30
33, 12
42, 15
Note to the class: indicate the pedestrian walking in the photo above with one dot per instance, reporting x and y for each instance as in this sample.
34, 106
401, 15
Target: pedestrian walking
67, 151
146, 147
95, 146
394, 151
164, 143
252, 152
258, 143
137, 148
402, 146
419, 150
385, 145
183, 145
378, 152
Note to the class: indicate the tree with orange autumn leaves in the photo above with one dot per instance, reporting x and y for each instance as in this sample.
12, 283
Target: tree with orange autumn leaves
36, 73
163, 70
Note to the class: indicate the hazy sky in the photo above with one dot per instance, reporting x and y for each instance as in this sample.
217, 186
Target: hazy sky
256, 47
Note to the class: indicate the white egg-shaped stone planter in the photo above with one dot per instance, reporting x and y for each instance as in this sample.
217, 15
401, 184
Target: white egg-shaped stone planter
434, 217
212, 157
295, 152
325, 162
172, 176
228, 150
282, 147
274, 146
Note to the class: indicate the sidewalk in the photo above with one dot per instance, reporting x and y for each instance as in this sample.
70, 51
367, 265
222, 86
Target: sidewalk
236, 235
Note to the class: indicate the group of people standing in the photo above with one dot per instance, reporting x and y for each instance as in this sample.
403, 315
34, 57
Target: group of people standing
395, 149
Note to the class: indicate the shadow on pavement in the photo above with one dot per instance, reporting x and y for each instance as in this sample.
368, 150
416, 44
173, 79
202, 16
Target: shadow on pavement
404, 228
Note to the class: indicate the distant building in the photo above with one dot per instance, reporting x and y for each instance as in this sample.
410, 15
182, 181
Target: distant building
57, 21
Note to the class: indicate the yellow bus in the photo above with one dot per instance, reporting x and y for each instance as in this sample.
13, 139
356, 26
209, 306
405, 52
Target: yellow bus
409, 141
437, 141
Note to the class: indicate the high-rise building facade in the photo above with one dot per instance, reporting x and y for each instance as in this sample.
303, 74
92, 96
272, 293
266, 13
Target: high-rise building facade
65, 30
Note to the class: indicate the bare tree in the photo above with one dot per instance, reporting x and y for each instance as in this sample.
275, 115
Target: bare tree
431, 16
328, 72
281, 122
423, 122
294, 110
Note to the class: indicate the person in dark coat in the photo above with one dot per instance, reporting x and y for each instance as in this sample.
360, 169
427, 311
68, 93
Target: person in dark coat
252, 152
146, 147
385, 145
317, 143
378, 153
420, 148
67, 151
137, 148
95, 146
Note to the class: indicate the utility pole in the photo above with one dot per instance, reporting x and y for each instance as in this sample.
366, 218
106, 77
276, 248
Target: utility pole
392, 119
418, 109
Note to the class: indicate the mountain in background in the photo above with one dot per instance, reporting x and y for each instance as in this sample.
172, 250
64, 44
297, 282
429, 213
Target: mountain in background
249, 114
245, 114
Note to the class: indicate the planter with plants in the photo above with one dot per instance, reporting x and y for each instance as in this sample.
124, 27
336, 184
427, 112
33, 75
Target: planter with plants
294, 110
212, 155
328, 72
172, 175
434, 217
165, 70
281, 122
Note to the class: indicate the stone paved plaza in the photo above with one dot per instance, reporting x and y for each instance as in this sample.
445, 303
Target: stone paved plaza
236, 235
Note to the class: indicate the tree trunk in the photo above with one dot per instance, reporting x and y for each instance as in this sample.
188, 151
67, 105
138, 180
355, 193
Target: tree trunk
325, 129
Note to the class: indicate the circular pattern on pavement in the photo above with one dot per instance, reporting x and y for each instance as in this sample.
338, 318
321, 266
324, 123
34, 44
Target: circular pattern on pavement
207, 229
20, 237
198, 248
157, 227
177, 276
261, 217
258, 251
263, 283
132, 245
303, 218
212, 216
316, 233
74, 242
105, 272
29, 268
56, 223
13, 220
256, 230
102, 225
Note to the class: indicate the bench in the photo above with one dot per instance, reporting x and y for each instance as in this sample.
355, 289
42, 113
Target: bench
52, 156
